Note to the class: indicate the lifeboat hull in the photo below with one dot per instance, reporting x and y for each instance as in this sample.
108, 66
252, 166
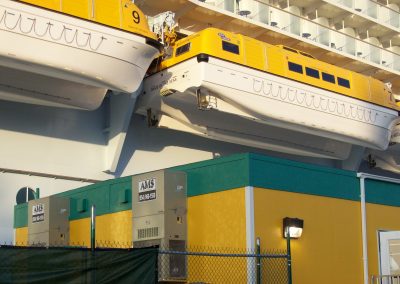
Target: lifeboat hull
64, 61
207, 93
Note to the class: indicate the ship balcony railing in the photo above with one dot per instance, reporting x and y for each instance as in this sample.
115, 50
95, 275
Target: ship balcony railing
385, 279
316, 32
387, 14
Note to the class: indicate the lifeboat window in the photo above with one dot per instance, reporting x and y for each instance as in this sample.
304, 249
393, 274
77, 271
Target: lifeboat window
295, 67
227, 46
182, 49
290, 49
306, 54
312, 72
328, 77
343, 82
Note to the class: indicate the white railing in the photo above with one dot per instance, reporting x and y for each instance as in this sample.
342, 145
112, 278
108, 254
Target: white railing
385, 279
315, 31
386, 14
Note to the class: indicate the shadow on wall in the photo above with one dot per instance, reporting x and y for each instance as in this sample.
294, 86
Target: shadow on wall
141, 138
61, 123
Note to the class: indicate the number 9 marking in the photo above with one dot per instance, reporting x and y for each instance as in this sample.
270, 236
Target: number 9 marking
136, 17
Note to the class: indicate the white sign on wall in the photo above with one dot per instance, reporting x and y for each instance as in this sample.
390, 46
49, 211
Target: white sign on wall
38, 213
147, 189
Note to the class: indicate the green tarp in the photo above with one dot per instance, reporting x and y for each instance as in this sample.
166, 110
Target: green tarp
75, 265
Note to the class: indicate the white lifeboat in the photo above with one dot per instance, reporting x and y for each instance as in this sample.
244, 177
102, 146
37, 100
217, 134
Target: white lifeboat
215, 95
54, 59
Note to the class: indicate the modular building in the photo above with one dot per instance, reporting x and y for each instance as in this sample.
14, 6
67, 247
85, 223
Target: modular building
233, 200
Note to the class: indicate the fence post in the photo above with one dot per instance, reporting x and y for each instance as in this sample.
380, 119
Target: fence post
258, 260
93, 227
289, 257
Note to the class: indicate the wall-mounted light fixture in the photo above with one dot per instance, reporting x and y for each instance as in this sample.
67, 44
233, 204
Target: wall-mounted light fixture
293, 226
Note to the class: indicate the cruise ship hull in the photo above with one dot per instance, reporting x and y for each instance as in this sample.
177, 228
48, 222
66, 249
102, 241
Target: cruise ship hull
226, 101
59, 60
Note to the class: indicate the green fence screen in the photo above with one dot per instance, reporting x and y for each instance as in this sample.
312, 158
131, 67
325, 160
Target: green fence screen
77, 265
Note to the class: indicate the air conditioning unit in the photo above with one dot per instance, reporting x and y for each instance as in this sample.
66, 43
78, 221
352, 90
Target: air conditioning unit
159, 218
48, 221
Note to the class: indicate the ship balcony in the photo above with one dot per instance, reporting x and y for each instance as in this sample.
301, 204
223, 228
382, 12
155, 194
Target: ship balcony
383, 14
335, 31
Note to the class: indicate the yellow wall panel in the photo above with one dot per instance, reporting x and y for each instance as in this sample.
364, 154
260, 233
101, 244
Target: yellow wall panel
218, 221
79, 232
115, 228
21, 236
329, 250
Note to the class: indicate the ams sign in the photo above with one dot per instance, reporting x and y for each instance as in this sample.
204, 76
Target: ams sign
147, 189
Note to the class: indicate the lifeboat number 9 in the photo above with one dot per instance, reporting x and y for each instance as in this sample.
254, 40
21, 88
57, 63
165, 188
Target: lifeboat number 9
136, 17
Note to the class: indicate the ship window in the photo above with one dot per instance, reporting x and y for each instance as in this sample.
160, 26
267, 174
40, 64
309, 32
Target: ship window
290, 49
227, 46
295, 67
328, 77
312, 72
343, 82
182, 49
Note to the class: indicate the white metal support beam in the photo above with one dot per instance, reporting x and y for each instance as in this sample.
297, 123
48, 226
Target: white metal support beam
120, 114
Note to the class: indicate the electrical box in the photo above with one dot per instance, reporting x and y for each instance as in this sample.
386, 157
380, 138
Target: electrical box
48, 221
159, 218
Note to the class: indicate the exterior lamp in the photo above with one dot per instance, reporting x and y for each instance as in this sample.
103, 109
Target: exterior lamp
293, 226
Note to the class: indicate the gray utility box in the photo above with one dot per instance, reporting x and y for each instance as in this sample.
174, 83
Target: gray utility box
159, 208
48, 221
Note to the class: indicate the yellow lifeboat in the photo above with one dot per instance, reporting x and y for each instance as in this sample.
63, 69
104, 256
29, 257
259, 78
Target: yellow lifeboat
68, 53
230, 87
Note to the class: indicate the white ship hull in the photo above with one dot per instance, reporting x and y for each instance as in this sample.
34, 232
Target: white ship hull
255, 108
58, 60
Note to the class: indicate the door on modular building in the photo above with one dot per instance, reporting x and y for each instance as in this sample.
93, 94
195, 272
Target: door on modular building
389, 255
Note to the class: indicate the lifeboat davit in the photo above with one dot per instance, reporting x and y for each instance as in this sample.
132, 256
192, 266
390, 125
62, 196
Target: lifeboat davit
233, 88
70, 54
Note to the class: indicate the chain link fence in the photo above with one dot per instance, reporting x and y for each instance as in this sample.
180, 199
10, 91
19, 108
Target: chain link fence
196, 265
203, 266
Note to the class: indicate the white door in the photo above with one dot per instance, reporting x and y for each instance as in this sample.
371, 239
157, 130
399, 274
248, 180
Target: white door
389, 252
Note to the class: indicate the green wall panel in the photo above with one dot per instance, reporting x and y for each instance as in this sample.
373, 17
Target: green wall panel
105, 195
217, 174
279, 174
380, 192
21, 215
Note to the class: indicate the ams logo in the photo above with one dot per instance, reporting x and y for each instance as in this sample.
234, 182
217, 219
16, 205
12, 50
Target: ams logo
147, 189
147, 185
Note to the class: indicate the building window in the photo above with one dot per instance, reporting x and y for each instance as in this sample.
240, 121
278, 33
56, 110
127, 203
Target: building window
230, 47
312, 72
182, 49
328, 77
295, 67
343, 82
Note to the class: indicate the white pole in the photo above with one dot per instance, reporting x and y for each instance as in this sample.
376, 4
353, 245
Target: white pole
250, 234
364, 229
